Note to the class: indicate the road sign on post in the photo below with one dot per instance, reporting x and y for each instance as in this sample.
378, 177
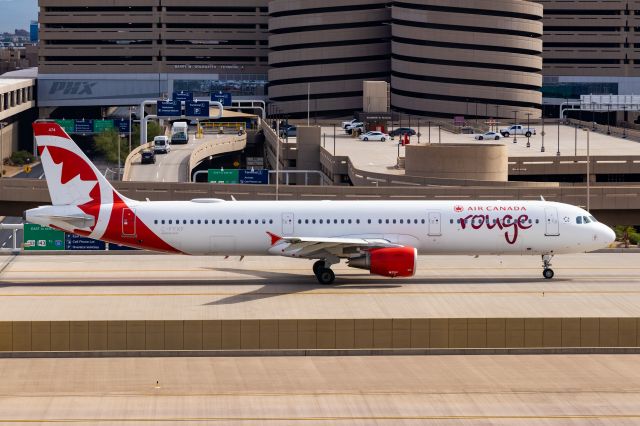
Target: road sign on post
223, 176
169, 109
122, 124
224, 98
100, 126
39, 238
197, 109
254, 177
69, 126
84, 126
77, 243
182, 96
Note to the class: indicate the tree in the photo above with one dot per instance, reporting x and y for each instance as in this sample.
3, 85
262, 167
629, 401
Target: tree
153, 130
107, 145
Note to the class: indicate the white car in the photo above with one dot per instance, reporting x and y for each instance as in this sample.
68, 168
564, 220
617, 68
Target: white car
374, 136
161, 145
345, 124
488, 136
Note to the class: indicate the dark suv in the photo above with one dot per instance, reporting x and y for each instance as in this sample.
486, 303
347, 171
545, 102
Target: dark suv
148, 157
400, 131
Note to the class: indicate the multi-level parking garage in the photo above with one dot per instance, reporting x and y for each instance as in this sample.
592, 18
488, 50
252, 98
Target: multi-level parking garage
442, 58
473, 58
326, 51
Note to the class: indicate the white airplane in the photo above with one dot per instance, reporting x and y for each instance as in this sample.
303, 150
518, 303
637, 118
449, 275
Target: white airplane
383, 237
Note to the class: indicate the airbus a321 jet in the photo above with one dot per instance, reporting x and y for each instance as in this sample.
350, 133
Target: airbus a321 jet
383, 237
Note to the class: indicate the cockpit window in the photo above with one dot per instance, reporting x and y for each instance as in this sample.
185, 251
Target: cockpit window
593, 219
579, 220
586, 219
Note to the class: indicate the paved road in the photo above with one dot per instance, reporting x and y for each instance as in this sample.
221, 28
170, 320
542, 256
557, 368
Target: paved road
400, 390
37, 172
171, 167
6, 236
160, 287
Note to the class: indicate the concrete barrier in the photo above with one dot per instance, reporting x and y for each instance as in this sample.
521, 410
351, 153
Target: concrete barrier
127, 163
216, 147
310, 334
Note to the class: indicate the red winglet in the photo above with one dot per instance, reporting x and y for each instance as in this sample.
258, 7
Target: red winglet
44, 128
274, 238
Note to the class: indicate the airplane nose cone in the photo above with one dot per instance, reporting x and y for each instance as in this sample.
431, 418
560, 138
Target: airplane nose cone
607, 235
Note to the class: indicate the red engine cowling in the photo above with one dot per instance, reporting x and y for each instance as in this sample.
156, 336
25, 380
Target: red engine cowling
388, 262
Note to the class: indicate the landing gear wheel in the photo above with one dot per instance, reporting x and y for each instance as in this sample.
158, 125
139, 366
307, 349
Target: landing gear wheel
548, 274
326, 276
317, 267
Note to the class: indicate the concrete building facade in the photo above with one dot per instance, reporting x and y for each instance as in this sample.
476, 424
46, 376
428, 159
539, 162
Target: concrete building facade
442, 57
590, 48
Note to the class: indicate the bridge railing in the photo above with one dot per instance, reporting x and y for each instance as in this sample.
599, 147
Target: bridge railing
216, 147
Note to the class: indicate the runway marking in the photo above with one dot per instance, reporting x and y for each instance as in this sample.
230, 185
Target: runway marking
328, 418
327, 293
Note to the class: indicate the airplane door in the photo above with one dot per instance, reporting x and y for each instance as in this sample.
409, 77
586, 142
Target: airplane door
287, 224
128, 223
551, 220
435, 224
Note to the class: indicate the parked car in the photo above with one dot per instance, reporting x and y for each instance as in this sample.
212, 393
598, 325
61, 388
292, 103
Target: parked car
148, 157
401, 131
345, 124
357, 126
288, 131
518, 129
161, 145
488, 136
374, 136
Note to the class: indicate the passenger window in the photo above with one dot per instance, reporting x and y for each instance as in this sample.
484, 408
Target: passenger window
271, 221
299, 221
184, 221
155, 221
264, 221
313, 221
423, 221
358, 221
369, 221
537, 220
401, 221
394, 221
349, 221
228, 222
321, 221
163, 222
579, 220
199, 222
306, 221
380, 221
387, 221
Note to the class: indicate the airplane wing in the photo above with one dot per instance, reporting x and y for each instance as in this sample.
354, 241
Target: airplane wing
317, 247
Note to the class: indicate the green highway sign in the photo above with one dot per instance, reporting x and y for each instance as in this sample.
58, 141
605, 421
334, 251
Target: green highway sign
37, 237
68, 125
100, 126
224, 176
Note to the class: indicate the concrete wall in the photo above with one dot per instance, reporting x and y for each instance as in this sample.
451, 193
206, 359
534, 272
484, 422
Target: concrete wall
376, 96
9, 140
453, 333
460, 161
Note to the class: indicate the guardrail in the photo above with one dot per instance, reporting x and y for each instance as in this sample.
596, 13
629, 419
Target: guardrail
574, 165
216, 147
621, 132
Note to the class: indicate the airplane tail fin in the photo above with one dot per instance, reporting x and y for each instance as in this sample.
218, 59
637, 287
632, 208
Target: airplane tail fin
71, 177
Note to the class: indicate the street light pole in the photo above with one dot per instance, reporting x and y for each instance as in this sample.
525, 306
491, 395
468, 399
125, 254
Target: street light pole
543, 132
130, 129
588, 174
528, 131
515, 123
558, 152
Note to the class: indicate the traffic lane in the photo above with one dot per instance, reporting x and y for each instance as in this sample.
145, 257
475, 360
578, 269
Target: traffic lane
170, 167
6, 236
37, 172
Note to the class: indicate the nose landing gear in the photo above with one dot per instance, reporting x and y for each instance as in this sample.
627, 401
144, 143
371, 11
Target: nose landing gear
547, 273
323, 272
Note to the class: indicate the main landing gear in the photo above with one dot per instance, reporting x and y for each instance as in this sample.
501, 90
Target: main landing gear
323, 272
547, 273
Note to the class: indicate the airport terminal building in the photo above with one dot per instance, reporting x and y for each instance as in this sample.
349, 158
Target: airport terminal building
441, 57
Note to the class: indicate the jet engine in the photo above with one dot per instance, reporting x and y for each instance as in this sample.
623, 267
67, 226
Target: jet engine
388, 262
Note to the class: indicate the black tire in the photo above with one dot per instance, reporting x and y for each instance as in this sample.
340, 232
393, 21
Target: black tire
480, 138
506, 134
548, 273
497, 138
317, 267
366, 139
326, 276
528, 134
382, 139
